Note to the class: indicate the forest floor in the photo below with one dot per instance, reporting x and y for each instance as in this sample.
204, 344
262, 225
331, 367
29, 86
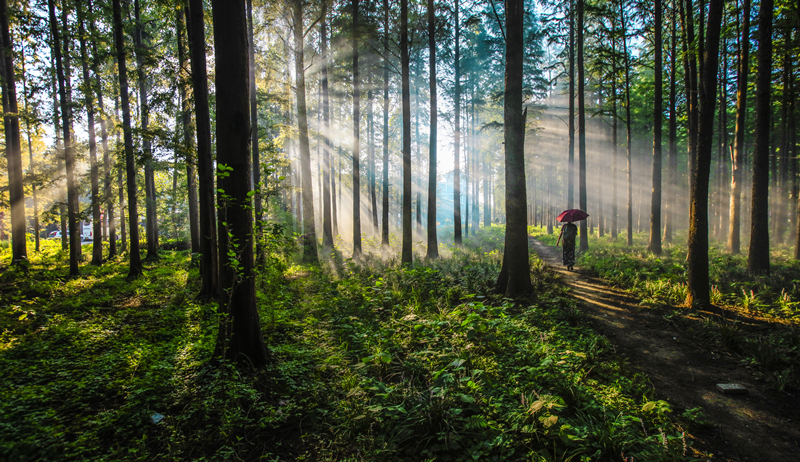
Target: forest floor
762, 425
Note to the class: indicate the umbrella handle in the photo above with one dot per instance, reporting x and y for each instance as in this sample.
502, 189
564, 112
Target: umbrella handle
559, 236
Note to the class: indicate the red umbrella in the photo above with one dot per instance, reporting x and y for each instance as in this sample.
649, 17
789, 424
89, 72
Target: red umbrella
572, 215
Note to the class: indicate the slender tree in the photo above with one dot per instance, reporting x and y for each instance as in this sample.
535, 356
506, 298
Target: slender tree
239, 336
734, 238
151, 218
309, 228
133, 210
515, 277
107, 183
457, 133
406, 252
697, 258
670, 212
385, 144
758, 257
69, 154
97, 234
188, 133
356, 138
258, 212
655, 206
433, 243
584, 237
19, 250
205, 168
327, 230
31, 168
627, 65
571, 117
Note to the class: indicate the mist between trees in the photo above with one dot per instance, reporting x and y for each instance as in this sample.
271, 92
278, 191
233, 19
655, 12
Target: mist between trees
647, 115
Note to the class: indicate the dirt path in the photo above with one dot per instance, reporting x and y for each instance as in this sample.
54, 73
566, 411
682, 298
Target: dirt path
763, 425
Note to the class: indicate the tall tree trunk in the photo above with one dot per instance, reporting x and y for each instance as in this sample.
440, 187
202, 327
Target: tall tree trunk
385, 143
31, 168
373, 199
16, 193
133, 211
69, 154
571, 116
515, 277
205, 166
239, 336
107, 182
584, 237
670, 212
258, 208
59, 147
120, 187
690, 65
309, 227
655, 206
327, 234
188, 136
97, 232
627, 65
406, 251
781, 211
433, 242
697, 259
356, 138
457, 133
151, 219
758, 258
487, 207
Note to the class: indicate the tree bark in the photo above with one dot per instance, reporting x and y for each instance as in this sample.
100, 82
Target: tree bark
97, 232
385, 144
151, 219
356, 138
433, 242
188, 134
627, 65
107, 182
457, 133
309, 228
327, 230
240, 337
16, 193
258, 208
406, 251
571, 125
205, 166
697, 259
69, 155
515, 278
133, 211
758, 258
120, 187
584, 237
734, 229
655, 206
670, 212
31, 168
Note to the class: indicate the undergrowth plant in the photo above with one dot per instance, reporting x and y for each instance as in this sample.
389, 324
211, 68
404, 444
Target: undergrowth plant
371, 361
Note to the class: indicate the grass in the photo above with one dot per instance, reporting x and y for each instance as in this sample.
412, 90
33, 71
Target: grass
763, 311
372, 361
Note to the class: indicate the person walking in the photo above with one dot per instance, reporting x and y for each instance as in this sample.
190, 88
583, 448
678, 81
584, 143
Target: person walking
569, 232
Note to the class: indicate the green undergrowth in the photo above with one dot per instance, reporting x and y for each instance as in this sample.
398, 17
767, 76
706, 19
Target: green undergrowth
371, 361
771, 349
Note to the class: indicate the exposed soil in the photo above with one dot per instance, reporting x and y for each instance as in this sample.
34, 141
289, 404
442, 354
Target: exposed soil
762, 425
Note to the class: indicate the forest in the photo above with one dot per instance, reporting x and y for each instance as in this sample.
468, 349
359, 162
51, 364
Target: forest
342, 230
